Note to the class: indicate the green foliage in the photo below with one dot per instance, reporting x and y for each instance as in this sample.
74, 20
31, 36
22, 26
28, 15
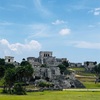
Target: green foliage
8, 65
1, 81
9, 79
43, 65
2, 61
65, 63
87, 63
9, 76
62, 68
97, 69
45, 84
42, 84
20, 73
13, 75
2, 71
19, 89
24, 63
2, 67
24, 73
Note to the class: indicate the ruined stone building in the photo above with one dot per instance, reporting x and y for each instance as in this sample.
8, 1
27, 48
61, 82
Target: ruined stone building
9, 59
75, 64
46, 57
49, 72
89, 65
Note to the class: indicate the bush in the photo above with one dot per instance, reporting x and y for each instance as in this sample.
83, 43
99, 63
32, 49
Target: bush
42, 84
4, 91
18, 89
45, 84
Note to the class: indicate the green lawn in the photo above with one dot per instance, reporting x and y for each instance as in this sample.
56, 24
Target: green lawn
54, 95
91, 85
77, 69
81, 71
1, 81
88, 79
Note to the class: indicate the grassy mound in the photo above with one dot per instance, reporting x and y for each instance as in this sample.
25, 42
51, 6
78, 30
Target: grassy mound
87, 78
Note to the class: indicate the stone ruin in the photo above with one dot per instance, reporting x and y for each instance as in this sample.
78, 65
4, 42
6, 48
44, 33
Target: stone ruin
51, 73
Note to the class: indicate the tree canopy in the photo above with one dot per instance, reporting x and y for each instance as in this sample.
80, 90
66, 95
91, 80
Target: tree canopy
97, 69
14, 76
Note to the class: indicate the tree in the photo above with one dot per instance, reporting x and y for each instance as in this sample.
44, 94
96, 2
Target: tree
9, 78
19, 89
20, 71
25, 71
8, 65
43, 65
24, 63
2, 67
87, 63
2, 61
97, 69
95, 63
65, 63
62, 68
15, 77
2, 71
97, 72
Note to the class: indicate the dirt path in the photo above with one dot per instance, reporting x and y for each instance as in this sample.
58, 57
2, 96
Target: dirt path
82, 90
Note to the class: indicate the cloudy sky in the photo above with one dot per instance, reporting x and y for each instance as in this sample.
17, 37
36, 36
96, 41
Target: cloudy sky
69, 28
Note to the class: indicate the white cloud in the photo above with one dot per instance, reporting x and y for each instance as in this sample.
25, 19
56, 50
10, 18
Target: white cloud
84, 44
95, 11
18, 47
39, 30
57, 22
64, 31
41, 8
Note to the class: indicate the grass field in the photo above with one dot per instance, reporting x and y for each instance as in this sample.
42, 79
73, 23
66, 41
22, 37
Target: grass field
54, 95
88, 79
91, 85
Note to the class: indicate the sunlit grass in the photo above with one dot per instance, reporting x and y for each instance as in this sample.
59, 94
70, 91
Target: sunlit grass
91, 85
77, 69
54, 95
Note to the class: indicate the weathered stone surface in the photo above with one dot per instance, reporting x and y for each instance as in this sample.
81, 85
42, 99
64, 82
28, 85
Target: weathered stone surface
51, 73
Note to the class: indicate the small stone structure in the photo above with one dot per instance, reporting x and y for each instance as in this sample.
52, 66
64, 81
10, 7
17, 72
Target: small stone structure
89, 65
9, 59
75, 64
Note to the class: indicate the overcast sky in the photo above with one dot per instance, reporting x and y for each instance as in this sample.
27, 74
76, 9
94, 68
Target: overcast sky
69, 28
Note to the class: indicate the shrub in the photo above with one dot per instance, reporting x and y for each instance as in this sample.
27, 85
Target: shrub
19, 89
